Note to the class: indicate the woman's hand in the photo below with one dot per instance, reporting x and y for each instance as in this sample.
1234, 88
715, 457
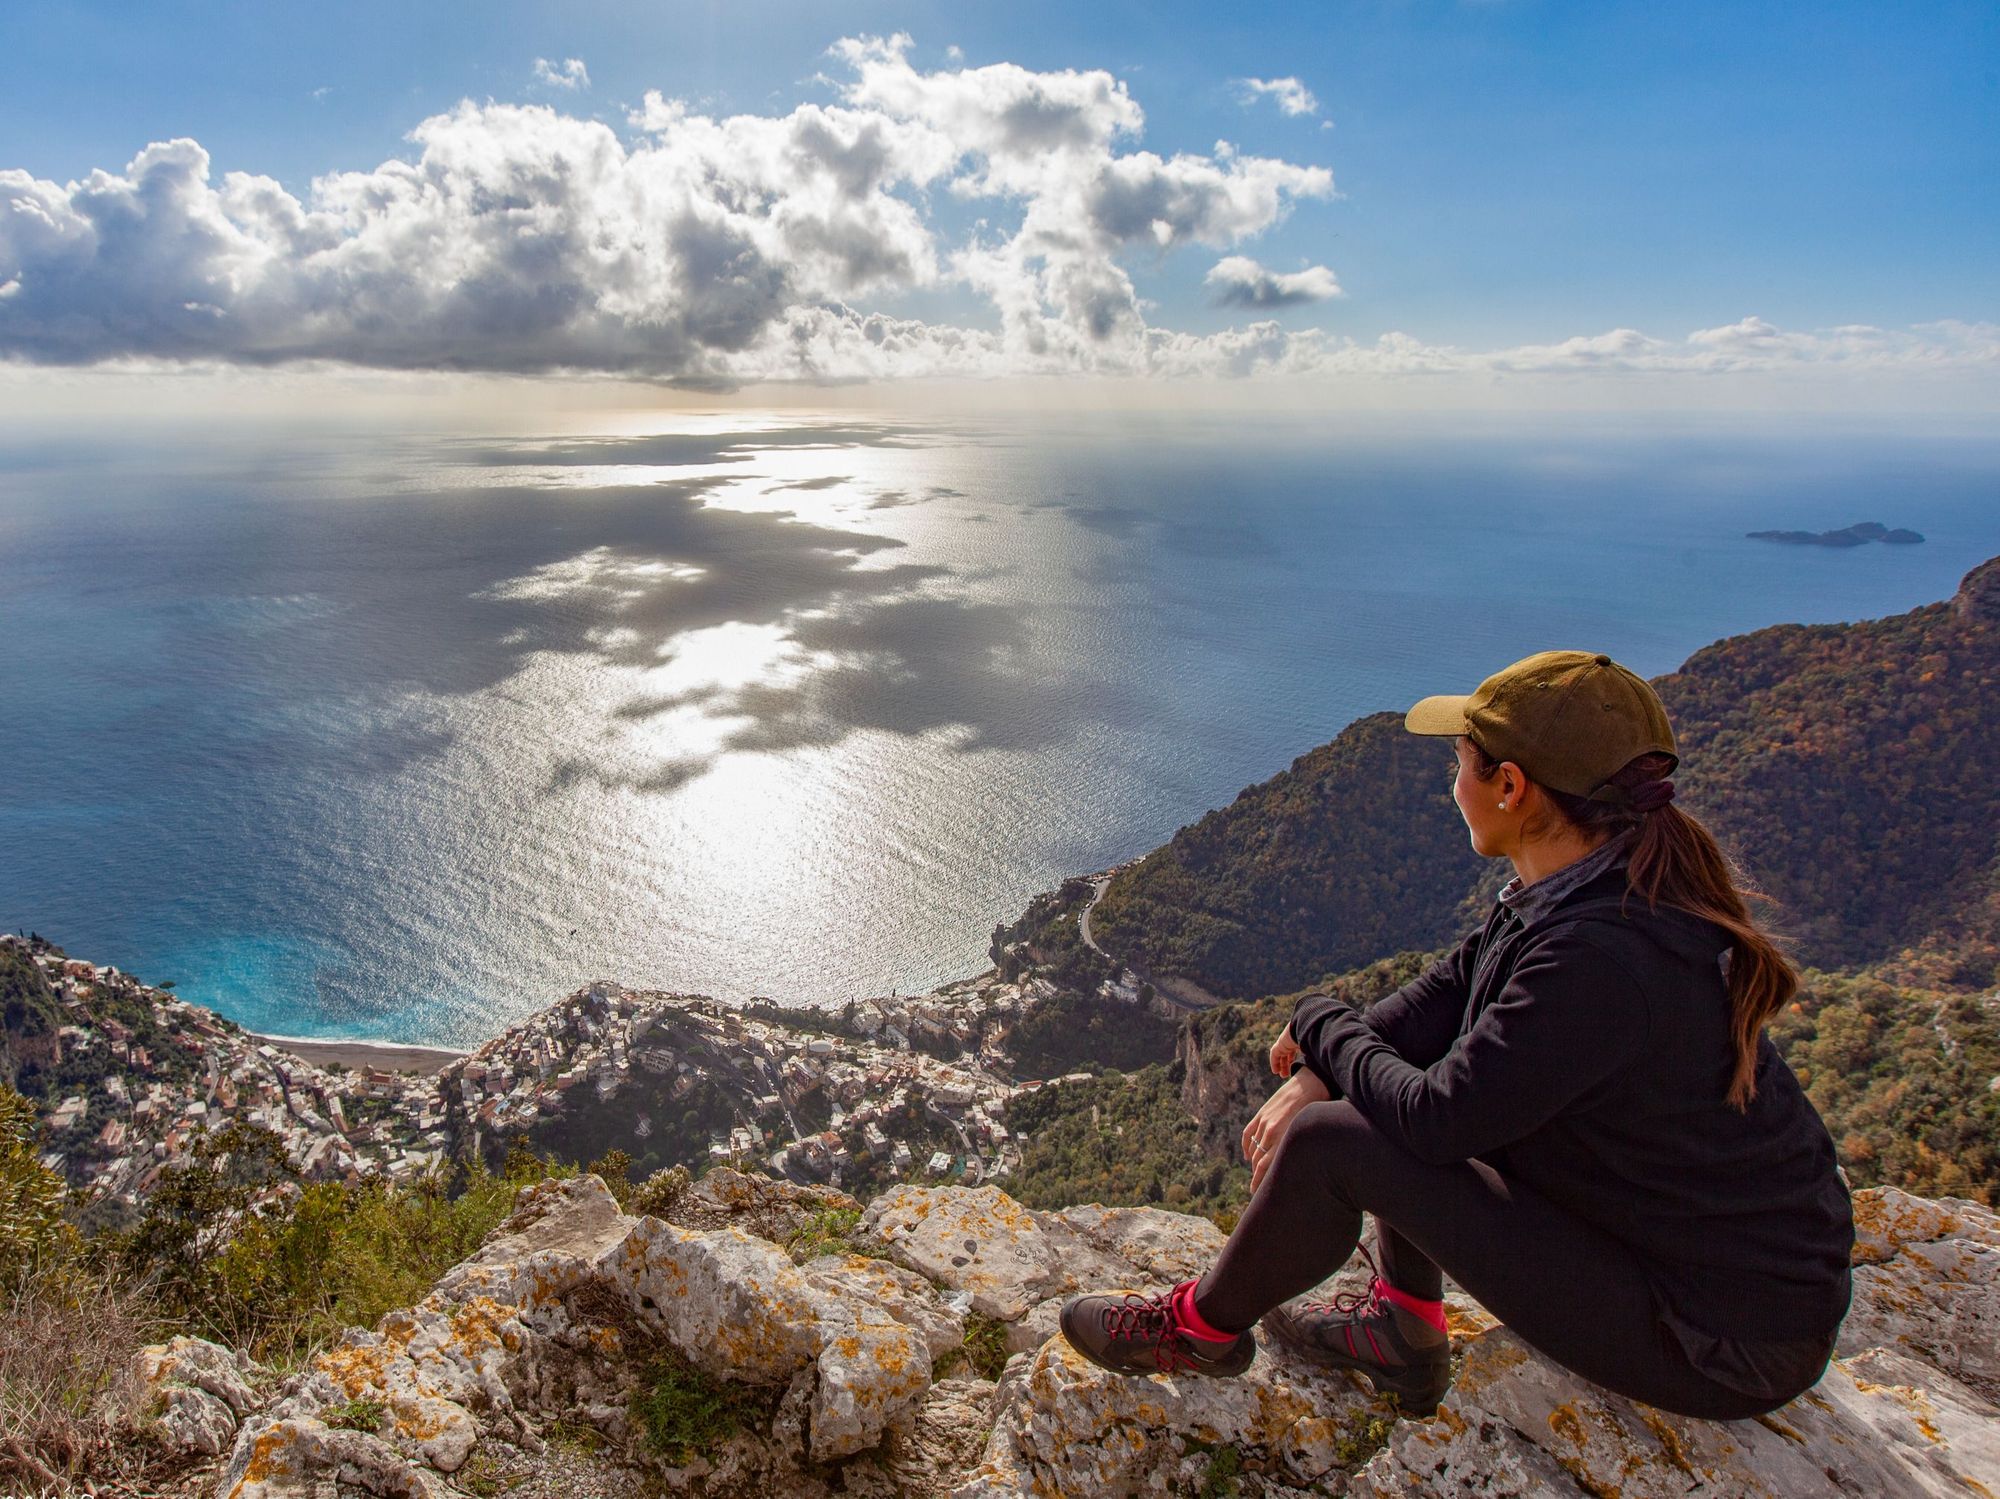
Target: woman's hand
1263, 1135
1284, 1052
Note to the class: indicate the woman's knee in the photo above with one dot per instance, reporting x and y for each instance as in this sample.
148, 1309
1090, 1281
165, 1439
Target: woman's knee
1335, 1140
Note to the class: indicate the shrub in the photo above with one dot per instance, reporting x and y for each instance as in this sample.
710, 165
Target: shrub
985, 1347
686, 1413
657, 1194
356, 1415
32, 1198
68, 1336
245, 1253
827, 1232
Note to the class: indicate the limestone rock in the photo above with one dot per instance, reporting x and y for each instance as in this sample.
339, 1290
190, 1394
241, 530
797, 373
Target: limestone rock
1515, 1423
1927, 1282
1169, 1247
982, 1241
560, 1306
194, 1421
531, 1323
1043, 1321
1069, 1427
201, 1365
903, 1294
299, 1458
926, 1456
735, 1305
197, 1391
759, 1205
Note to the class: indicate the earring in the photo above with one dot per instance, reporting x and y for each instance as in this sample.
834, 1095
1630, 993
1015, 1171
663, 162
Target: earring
1503, 806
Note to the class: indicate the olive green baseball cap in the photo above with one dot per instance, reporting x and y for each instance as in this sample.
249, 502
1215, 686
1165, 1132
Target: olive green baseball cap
1570, 719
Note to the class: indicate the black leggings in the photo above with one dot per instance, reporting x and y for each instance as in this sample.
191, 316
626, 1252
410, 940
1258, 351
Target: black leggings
1567, 1288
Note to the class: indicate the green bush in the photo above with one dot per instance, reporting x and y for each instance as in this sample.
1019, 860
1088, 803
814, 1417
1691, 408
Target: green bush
686, 1413
32, 1198
242, 1251
985, 1346
356, 1415
829, 1231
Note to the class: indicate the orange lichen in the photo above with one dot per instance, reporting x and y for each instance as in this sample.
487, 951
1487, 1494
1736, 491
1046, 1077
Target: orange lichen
477, 1325
1670, 1440
355, 1369
264, 1463
414, 1422
1567, 1424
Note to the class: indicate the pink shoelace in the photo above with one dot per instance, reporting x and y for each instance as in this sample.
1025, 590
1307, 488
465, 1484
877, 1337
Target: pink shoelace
1150, 1319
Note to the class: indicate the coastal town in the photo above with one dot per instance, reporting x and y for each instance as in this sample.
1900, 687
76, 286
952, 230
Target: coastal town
860, 1095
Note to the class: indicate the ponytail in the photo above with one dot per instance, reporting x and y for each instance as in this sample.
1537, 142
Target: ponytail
1676, 862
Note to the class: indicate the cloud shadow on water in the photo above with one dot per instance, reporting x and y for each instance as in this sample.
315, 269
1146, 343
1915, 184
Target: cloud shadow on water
393, 601
703, 449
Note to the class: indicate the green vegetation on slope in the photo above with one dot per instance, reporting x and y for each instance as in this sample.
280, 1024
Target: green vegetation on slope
311, 1258
1902, 1076
1354, 851
1854, 770
1904, 1079
1123, 1140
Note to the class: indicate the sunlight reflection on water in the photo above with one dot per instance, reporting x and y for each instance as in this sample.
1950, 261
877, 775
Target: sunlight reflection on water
409, 740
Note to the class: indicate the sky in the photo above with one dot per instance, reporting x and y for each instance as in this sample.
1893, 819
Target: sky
776, 192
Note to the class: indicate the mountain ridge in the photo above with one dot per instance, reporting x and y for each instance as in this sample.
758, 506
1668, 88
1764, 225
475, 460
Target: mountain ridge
1812, 751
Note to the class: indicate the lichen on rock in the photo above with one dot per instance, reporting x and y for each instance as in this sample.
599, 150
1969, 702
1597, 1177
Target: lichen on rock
548, 1328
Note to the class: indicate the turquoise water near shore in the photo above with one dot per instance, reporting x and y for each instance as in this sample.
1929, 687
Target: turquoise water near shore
403, 736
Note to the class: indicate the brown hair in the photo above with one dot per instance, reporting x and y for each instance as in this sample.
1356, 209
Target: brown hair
1676, 861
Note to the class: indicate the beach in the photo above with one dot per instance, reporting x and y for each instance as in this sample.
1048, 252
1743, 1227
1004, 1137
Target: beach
386, 1056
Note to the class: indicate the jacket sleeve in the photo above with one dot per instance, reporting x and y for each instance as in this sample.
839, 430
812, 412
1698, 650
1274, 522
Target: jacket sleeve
1421, 1019
1569, 1018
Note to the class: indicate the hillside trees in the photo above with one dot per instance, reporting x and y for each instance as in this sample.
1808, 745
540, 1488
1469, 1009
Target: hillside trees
1852, 770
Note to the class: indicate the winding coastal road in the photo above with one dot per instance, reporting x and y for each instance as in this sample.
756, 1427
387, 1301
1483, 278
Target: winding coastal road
1102, 883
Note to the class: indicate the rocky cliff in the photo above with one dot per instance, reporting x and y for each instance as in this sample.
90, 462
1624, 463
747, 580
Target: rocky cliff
584, 1350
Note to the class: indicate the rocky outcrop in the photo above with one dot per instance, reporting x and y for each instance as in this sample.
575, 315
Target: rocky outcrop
1927, 1284
852, 1369
195, 1392
1978, 598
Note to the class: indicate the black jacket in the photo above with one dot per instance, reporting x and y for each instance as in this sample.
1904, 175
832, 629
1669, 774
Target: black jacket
1588, 1056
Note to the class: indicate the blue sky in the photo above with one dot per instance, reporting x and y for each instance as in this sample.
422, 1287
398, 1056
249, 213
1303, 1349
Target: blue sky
1507, 173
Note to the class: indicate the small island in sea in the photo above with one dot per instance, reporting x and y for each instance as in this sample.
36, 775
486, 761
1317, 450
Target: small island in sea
1858, 534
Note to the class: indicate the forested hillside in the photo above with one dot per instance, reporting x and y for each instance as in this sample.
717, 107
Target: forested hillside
1854, 770
1904, 1077
1356, 850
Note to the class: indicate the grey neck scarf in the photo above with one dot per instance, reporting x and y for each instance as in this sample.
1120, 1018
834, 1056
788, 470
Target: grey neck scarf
1532, 902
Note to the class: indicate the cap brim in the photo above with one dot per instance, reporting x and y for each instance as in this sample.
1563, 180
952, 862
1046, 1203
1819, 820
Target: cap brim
1437, 715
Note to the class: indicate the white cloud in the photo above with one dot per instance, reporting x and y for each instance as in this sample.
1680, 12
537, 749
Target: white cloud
1239, 281
572, 75
701, 248
718, 249
1292, 97
1751, 346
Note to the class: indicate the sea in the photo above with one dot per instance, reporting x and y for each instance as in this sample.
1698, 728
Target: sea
402, 734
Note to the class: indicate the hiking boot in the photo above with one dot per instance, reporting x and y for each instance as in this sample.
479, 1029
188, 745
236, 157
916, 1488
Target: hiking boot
1401, 1353
1132, 1334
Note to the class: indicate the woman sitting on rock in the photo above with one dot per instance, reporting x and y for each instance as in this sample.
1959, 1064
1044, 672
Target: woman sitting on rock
1575, 1114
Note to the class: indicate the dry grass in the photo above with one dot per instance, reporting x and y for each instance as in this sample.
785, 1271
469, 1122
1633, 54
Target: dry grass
67, 1341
